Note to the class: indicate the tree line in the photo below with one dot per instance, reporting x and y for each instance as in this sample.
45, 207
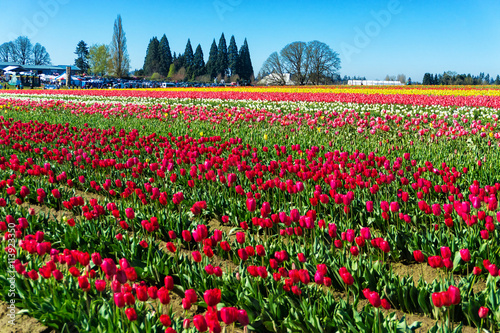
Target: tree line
23, 52
452, 78
223, 62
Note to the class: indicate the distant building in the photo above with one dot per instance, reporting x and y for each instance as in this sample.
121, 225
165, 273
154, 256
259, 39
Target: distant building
373, 83
36, 69
273, 78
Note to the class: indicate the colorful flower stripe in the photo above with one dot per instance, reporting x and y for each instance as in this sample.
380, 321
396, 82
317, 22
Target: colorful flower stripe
235, 94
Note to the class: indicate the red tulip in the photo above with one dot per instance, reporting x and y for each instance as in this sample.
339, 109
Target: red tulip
454, 294
129, 212
186, 304
296, 290
163, 295
445, 298
465, 255
436, 300
83, 283
419, 256
142, 293
242, 253
169, 282
191, 295
200, 323
119, 300
240, 237
108, 266
171, 247
385, 304
209, 269
131, 314
100, 285
229, 315
212, 297
186, 235
384, 246
483, 312
129, 298
196, 256
445, 252
435, 261
485, 234
58, 276
153, 292
265, 210
374, 299
165, 320
251, 204
242, 317
493, 269
436, 209
394, 207
365, 233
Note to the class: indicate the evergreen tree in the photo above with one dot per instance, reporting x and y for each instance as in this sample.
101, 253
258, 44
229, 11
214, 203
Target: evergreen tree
152, 60
497, 80
222, 59
82, 61
233, 57
188, 54
427, 79
212, 61
198, 66
165, 56
246, 68
188, 59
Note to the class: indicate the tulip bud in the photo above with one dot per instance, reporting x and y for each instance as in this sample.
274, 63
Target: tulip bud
483, 312
465, 255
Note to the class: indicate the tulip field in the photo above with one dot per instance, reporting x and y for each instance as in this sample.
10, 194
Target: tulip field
259, 209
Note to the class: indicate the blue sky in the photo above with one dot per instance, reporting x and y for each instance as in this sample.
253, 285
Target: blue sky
374, 38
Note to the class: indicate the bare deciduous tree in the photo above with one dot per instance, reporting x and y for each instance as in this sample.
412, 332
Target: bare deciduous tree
23, 50
274, 70
40, 55
295, 60
7, 52
120, 62
323, 62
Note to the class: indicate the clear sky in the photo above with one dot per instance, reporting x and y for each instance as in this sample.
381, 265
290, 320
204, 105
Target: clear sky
374, 38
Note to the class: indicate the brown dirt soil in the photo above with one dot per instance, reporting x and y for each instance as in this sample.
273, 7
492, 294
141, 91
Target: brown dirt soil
427, 323
58, 214
429, 274
22, 324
